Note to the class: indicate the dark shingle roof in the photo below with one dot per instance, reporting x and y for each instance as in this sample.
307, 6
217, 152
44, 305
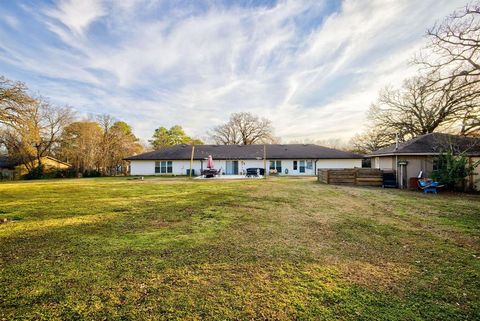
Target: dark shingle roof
274, 151
7, 162
433, 143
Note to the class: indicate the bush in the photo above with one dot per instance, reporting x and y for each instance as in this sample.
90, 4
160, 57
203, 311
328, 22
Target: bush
452, 170
35, 173
5, 177
39, 172
92, 173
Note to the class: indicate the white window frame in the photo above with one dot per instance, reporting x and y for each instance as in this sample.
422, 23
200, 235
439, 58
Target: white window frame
163, 167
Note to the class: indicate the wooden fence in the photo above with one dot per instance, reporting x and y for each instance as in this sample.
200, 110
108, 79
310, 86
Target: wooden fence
354, 176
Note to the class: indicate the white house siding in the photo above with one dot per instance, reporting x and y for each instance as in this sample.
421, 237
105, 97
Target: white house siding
384, 162
339, 163
287, 164
142, 167
179, 167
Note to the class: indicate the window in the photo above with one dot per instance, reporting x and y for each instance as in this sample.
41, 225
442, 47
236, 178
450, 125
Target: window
272, 165
302, 166
163, 167
295, 165
309, 164
276, 165
437, 164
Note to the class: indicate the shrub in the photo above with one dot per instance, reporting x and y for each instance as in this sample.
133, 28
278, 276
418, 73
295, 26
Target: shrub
35, 173
452, 170
92, 173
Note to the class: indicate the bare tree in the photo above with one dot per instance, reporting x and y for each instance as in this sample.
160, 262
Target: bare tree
99, 146
453, 48
15, 107
445, 97
48, 123
419, 108
80, 143
452, 59
117, 142
30, 126
372, 139
244, 128
14, 101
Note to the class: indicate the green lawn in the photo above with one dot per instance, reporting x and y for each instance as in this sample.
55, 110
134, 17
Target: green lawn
114, 248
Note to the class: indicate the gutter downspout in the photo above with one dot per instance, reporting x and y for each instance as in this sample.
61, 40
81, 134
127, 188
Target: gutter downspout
396, 167
264, 161
470, 176
396, 160
191, 160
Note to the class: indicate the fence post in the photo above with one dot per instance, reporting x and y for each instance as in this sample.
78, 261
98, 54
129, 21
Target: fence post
328, 176
355, 176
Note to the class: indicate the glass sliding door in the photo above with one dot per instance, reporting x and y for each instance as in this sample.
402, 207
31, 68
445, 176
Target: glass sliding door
302, 166
232, 167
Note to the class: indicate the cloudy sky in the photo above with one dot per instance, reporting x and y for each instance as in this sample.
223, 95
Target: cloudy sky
312, 67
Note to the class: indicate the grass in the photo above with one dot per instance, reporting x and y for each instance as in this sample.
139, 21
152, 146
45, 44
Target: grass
113, 248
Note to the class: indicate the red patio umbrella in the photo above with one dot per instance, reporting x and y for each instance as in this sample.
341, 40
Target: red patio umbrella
210, 162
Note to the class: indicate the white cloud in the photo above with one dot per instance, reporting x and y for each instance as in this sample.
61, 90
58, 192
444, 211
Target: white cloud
77, 15
313, 71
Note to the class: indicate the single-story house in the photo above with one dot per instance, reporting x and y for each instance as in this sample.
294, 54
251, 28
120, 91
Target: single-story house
285, 159
420, 154
12, 168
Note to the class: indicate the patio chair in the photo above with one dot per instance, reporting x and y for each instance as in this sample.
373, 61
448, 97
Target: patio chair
255, 172
428, 185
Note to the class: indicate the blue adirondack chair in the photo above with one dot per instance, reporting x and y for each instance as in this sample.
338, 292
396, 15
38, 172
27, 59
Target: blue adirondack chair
428, 186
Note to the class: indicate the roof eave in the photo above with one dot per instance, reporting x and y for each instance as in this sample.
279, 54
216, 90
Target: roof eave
243, 158
414, 154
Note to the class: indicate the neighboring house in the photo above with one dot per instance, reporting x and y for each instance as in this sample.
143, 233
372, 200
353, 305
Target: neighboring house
11, 168
288, 159
419, 154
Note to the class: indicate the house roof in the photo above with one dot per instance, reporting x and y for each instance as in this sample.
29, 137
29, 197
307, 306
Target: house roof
7, 162
11, 163
274, 151
432, 144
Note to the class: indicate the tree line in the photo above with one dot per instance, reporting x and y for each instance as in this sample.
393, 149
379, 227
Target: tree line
445, 94
31, 128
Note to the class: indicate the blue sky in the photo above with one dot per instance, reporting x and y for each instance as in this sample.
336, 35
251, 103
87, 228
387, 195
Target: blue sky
312, 67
